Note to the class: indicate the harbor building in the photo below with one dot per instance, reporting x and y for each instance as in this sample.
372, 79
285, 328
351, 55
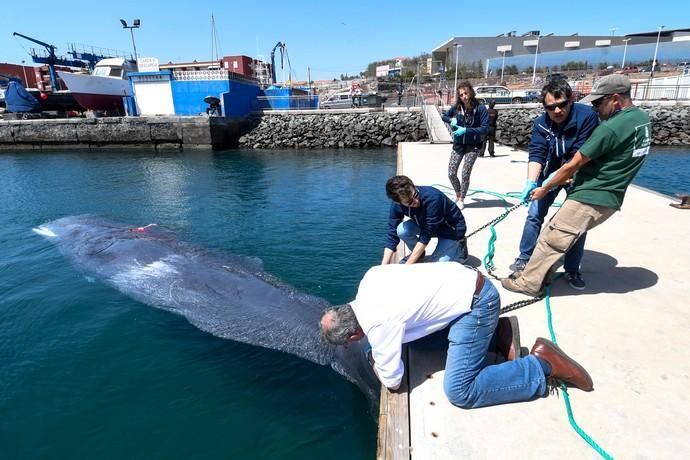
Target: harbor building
495, 53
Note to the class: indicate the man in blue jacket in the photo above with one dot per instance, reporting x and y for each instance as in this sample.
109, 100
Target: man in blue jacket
431, 214
556, 136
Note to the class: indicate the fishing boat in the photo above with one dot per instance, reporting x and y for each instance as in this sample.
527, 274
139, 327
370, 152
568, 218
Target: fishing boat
105, 87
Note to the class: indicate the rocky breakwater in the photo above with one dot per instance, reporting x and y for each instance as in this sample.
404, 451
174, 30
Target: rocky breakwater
332, 130
514, 125
670, 124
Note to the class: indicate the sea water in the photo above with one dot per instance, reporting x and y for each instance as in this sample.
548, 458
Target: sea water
86, 372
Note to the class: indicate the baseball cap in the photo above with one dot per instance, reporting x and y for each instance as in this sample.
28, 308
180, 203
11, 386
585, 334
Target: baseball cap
610, 84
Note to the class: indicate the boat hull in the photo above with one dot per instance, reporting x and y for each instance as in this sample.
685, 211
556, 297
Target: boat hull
99, 101
97, 93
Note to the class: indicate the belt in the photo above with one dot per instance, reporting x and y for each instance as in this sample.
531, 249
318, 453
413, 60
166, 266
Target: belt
480, 284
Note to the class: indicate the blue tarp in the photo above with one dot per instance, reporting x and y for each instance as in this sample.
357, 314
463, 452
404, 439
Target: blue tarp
17, 99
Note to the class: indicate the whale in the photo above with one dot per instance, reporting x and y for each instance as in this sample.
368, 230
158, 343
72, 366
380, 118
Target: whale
225, 295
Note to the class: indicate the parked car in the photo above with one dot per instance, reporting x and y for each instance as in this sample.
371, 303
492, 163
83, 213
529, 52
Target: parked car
532, 95
338, 100
346, 100
556, 76
502, 95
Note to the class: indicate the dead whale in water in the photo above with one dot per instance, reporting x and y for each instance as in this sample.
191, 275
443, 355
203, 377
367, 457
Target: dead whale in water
227, 296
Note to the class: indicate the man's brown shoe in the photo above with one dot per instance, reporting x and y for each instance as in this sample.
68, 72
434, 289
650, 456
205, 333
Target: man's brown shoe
511, 285
508, 338
563, 367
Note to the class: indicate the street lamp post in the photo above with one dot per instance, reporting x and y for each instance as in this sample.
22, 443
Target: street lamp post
26, 82
656, 48
503, 65
457, 52
625, 50
135, 25
536, 52
534, 66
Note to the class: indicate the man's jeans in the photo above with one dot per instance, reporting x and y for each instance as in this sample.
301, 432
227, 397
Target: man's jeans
446, 250
530, 233
469, 382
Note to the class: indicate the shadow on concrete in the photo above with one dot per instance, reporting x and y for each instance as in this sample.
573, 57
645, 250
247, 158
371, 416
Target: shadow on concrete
473, 262
486, 155
478, 203
602, 274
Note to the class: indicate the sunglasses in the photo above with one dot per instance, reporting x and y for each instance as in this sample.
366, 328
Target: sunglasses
598, 102
558, 105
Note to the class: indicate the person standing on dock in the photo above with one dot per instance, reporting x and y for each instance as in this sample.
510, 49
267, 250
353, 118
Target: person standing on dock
431, 214
459, 305
491, 135
469, 121
603, 168
556, 135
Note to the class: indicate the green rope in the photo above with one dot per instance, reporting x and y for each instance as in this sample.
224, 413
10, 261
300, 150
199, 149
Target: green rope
566, 398
489, 265
489, 257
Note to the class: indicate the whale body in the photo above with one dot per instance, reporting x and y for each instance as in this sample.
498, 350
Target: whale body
225, 295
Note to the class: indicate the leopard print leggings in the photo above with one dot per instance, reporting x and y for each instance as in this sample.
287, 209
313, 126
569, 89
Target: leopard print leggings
470, 152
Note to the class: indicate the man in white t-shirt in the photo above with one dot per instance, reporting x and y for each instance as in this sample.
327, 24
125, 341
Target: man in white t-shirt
397, 304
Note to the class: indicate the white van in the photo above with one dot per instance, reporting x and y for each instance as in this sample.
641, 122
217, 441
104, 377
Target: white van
338, 100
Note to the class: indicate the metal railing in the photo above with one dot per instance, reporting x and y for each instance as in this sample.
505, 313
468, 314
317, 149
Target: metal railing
656, 92
438, 131
301, 102
216, 74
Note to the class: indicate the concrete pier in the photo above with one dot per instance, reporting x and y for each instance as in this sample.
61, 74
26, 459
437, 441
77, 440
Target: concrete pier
628, 328
151, 133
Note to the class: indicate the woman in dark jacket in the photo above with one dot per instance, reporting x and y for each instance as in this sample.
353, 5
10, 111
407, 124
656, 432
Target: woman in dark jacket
469, 121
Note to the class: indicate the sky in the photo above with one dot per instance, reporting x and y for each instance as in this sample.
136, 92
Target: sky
324, 39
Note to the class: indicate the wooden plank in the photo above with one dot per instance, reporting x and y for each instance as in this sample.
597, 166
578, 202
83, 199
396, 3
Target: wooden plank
394, 421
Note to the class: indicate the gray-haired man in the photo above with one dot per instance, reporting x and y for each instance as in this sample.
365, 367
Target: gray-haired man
397, 304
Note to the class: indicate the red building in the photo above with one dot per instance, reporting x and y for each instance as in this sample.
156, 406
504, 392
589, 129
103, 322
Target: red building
242, 65
24, 72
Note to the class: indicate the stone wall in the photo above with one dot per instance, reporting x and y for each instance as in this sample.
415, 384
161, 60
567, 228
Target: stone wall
151, 133
304, 130
670, 124
333, 130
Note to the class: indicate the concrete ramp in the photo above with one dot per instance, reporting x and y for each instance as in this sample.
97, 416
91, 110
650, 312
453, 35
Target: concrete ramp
438, 132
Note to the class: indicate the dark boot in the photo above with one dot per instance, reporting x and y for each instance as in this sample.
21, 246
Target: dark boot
508, 338
563, 367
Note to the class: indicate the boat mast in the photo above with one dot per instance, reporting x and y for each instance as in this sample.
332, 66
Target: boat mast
216, 52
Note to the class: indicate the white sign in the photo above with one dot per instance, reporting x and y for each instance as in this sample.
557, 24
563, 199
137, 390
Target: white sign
148, 64
382, 70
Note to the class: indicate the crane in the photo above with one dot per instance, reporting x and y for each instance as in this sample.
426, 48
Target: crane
283, 51
51, 59
90, 55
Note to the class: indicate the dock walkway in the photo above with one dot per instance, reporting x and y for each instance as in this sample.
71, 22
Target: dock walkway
628, 328
438, 131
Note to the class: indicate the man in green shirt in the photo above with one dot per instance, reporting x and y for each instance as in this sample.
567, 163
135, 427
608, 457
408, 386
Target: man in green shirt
605, 165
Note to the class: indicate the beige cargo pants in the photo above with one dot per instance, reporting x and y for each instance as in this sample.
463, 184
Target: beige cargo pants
556, 238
